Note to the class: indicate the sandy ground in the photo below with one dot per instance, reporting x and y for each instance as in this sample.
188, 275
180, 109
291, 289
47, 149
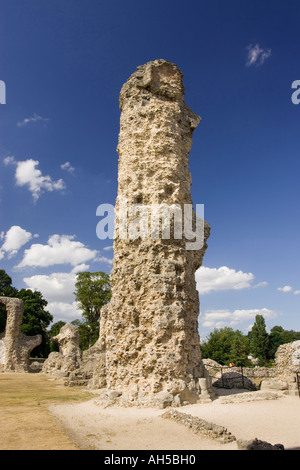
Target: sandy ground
92, 426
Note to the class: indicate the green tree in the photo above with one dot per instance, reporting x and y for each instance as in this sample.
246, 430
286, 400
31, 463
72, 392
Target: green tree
92, 291
240, 349
53, 331
35, 319
280, 336
259, 340
88, 336
225, 346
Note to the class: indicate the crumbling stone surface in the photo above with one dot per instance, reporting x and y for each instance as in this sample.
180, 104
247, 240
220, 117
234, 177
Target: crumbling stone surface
87, 364
256, 444
68, 358
287, 358
287, 363
149, 336
75, 365
15, 347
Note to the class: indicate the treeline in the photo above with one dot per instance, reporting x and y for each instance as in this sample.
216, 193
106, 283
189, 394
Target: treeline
92, 292
228, 346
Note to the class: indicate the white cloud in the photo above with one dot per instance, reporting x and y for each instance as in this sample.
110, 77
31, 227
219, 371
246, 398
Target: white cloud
297, 292
63, 311
261, 284
27, 174
60, 249
109, 247
54, 287
223, 278
285, 289
104, 259
14, 239
67, 167
10, 160
58, 289
221, 318
257, 55
34, 118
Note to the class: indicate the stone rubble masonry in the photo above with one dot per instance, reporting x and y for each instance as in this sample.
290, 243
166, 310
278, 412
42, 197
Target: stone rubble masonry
287, 358
199, 425
15, 347
69, 357
149, 341
287, 364
76, 366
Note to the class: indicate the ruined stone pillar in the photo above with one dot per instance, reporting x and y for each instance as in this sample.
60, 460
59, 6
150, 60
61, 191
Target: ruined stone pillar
149, 331
15, 347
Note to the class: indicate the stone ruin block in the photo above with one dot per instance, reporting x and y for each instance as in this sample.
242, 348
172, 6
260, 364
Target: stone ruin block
75, 365
287, 363
68, 358
15, 347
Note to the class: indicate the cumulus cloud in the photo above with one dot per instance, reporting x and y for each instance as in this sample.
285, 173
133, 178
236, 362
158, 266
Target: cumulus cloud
60, 249
67, 167
296, 292
58, 289
285, 289
34, 118
104, 259
261, 284
222, 318
223, 278
63, 311
56, 286
14, 239
257, 55
27, 174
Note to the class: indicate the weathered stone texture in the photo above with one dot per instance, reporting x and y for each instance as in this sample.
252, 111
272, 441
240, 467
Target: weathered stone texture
68, 358
287, 358
149, 338
287, 363
15, 347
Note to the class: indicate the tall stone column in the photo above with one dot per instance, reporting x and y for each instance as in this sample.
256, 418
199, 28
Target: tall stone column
149, 338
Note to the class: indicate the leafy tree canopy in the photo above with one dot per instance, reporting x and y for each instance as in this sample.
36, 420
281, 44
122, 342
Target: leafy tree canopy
92, 291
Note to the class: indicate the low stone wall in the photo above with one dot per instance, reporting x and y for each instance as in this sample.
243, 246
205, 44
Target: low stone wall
281, 377
257, 372
216, 371
217, 432
210, 430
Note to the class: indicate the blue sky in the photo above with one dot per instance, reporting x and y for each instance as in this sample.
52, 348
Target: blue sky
64, 63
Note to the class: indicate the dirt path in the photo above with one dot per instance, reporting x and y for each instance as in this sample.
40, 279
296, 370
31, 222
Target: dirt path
92, 426
115, 428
